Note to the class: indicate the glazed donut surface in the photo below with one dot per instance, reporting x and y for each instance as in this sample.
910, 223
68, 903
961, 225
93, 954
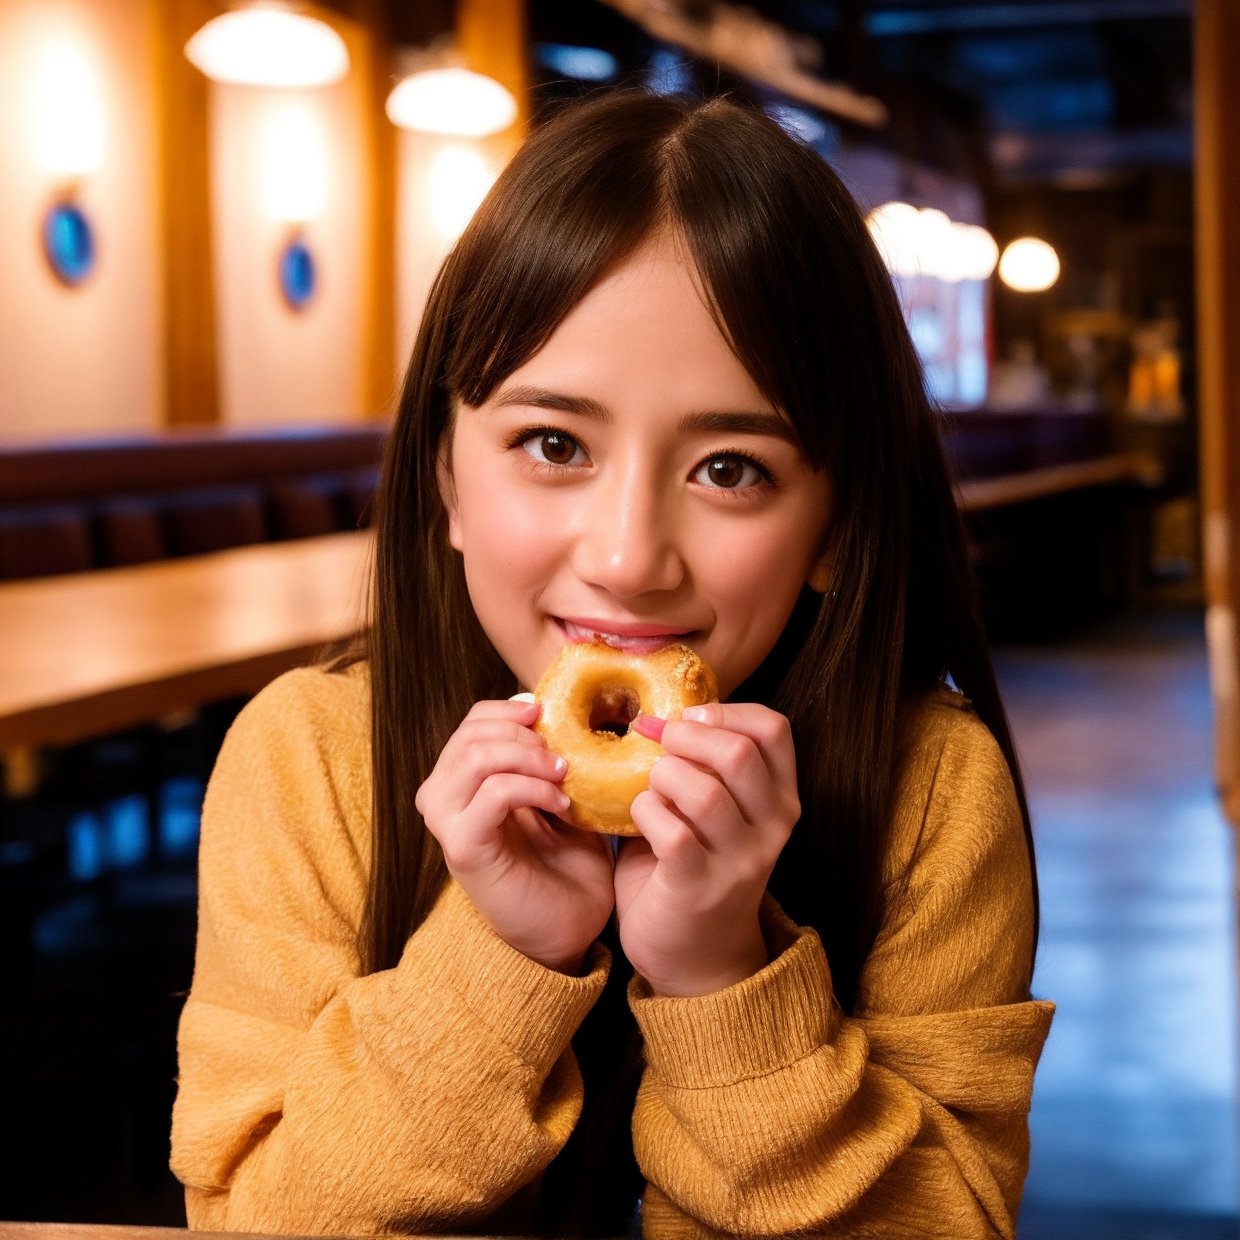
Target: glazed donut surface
589, 695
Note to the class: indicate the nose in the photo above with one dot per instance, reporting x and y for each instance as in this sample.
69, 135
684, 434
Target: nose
627, 539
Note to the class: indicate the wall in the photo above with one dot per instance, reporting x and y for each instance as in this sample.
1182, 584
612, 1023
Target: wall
85, 359
278, 364
440, 182
91, 359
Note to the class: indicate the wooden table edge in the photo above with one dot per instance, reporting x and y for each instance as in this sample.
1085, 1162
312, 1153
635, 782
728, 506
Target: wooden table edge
113, 710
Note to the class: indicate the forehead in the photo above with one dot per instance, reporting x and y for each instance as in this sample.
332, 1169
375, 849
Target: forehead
643, 328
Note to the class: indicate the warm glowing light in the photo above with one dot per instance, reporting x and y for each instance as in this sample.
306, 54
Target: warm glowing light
459, 180
933, 242
1029, 265
69, 118
457, 102
976, 252
894, 229
927, 242
295, 166
269, 46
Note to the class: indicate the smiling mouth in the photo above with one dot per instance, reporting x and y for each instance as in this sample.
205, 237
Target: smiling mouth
644, 642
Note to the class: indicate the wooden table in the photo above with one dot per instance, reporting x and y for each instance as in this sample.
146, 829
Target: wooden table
89, 653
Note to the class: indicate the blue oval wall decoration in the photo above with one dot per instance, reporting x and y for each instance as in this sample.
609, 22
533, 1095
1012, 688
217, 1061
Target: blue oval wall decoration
297, 274
68, 243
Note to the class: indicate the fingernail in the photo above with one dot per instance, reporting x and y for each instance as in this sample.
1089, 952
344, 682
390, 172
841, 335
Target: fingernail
522, 697
560, 766
696, 714
650, 726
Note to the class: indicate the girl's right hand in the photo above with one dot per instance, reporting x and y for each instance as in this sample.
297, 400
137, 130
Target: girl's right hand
544, 888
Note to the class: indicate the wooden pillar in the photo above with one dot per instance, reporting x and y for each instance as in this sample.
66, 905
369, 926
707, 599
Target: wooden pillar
369, 39
493, 38
1216, 39
191, 380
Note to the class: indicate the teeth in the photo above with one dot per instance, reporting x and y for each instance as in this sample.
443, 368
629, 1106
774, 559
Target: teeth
615, 640
612, 639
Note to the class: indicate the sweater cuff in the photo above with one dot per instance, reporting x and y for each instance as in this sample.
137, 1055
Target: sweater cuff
531, 1009
782, 1013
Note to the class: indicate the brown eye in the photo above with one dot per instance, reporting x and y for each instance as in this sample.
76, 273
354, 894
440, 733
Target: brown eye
730, 473
552, 447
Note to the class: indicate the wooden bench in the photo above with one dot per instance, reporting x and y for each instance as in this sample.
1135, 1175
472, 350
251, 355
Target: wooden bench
76, 505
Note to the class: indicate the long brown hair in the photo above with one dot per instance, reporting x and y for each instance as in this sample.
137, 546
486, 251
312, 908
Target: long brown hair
800, 293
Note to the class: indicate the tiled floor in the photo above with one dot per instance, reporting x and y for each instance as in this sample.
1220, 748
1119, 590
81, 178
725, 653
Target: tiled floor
1135, 1115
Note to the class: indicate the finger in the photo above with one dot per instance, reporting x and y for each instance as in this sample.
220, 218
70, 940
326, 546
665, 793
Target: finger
484, 730
770, 731
670, 837
732, 760
767, 730
475, 737
518, 711
480, 762
476, 838
703, 800
460, 773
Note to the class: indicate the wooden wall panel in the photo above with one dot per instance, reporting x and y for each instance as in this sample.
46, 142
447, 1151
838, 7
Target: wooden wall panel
492, 36
1216, 36
368, 33
191, 382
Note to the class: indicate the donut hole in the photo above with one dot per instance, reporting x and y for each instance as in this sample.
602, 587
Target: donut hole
612, 709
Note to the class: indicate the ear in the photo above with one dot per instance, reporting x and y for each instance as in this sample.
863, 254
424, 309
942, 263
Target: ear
447, 493
822, 572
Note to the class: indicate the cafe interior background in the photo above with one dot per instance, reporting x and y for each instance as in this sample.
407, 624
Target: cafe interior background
211, 268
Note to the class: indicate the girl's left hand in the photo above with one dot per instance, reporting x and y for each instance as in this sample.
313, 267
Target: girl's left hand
721, 805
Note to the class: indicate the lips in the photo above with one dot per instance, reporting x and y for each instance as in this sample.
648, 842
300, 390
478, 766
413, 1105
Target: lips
622, 635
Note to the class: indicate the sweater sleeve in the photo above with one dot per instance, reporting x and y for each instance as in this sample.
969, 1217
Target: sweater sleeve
315, 1100
765, 1111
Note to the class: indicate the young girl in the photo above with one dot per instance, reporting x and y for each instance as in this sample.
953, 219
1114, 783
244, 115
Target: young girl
662, 392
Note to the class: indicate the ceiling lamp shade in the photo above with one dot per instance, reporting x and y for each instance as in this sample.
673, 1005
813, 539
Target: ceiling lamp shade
1029, 265
451, 101
265, 45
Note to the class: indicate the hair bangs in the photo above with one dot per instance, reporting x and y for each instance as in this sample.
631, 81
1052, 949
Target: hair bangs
550, 229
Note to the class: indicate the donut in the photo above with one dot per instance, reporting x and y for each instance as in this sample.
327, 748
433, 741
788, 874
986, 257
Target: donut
589, 696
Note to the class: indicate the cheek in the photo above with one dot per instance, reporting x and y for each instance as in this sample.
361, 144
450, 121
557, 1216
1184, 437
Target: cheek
752, 569
504, 531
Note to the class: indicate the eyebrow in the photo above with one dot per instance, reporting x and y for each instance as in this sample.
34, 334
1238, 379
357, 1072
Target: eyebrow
736, 422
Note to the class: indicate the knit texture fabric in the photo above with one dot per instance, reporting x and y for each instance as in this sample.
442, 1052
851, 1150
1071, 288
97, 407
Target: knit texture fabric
432, 1096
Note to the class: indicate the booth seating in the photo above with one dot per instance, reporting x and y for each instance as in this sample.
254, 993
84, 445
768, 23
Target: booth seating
1053, 502
983, 444
75, 505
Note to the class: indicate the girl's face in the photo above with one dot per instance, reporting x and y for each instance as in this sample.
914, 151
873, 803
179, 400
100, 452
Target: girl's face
630, 480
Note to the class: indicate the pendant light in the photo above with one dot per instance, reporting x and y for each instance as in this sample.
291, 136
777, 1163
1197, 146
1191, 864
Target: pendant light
451, 100
268, 44
1029, 265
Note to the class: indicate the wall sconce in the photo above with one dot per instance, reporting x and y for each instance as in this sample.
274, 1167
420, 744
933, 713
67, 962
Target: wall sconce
459, 180
1029, 265
925, 242
69, 137
268, 44
295, 193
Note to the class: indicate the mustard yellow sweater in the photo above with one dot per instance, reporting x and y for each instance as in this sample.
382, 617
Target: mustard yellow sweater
431, 1097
